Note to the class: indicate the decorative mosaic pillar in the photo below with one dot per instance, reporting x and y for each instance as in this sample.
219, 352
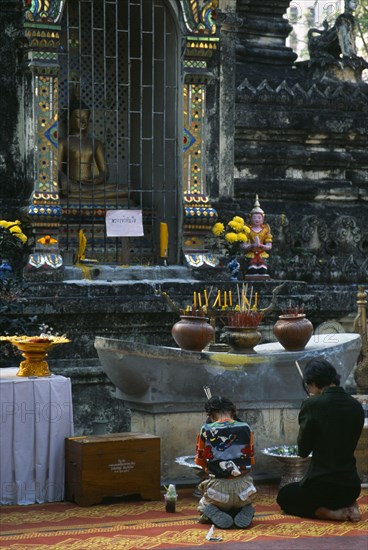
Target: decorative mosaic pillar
40, 64
199, 216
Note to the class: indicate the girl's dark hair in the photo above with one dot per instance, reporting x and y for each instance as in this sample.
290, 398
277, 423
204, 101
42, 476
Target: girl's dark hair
321, 373
217, 404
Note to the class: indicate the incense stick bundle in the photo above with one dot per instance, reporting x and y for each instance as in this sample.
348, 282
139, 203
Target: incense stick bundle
250, 299
239, 304
207, 391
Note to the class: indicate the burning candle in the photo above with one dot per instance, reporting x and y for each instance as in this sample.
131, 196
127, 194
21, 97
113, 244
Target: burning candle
164, 240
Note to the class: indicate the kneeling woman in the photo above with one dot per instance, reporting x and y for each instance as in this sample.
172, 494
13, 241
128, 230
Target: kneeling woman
330, 424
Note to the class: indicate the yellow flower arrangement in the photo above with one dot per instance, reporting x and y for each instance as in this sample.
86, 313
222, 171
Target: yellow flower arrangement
14, 229
12, 240
233, 235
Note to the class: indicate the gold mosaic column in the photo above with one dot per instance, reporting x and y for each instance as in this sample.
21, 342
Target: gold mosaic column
199, 215
41, 34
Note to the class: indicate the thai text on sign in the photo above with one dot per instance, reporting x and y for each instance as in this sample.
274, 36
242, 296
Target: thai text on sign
124, 223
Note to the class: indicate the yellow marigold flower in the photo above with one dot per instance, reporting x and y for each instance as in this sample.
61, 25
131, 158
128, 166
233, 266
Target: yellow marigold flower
231, 237
17, 232
22, 237
242, 237
238, 219
236, 226
218, 229
14, 229
6, 224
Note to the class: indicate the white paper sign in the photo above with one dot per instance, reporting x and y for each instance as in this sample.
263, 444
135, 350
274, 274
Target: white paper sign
124, 223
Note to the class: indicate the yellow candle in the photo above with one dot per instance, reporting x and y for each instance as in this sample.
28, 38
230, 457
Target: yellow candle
199, 299
219, 298
230, 298
256, 300
205, 297
225, 301
194, 300
164, 240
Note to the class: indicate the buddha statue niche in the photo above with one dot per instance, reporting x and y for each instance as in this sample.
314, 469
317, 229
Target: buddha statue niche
83, 171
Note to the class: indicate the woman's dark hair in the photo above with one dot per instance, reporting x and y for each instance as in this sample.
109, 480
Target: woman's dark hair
217, 404
321, 373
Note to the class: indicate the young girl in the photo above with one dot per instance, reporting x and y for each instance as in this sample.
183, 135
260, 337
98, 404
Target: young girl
225, 451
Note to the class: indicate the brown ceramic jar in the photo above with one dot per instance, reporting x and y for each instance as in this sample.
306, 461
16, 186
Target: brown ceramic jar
293, 331
192, 333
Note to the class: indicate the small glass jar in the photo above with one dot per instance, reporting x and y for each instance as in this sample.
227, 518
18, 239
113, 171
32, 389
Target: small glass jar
170, 503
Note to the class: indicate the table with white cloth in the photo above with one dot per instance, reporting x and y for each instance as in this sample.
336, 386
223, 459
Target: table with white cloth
36, 417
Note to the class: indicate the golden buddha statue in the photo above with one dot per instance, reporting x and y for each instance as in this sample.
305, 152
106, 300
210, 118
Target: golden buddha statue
83, 171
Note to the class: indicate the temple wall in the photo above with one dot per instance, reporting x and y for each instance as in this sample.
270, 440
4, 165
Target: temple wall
277, 129
301, 140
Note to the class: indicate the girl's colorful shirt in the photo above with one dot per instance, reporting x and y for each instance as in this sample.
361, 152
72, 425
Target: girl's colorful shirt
225, 449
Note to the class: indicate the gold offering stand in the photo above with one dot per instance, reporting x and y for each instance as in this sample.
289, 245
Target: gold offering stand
34, 349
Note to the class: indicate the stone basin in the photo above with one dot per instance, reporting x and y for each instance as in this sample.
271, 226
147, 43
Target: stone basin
163, 387
155, 378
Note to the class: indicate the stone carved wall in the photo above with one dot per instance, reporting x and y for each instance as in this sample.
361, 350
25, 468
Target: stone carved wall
301, 142
317, 250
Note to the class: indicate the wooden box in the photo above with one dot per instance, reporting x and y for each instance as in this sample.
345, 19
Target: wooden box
99, 466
